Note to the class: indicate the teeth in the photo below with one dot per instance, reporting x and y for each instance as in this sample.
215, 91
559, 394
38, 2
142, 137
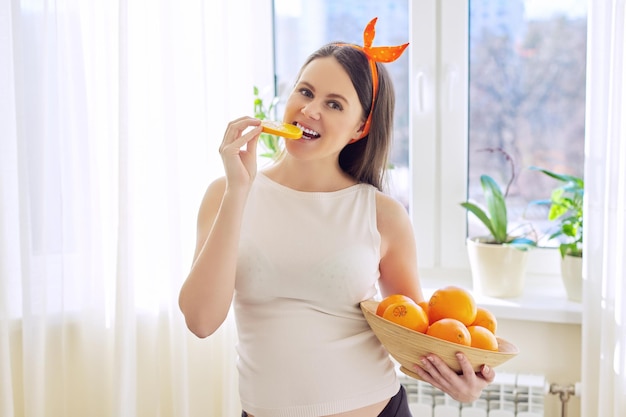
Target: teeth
309, 132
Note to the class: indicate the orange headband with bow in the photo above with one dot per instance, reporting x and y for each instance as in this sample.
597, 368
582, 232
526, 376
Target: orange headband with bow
375, 54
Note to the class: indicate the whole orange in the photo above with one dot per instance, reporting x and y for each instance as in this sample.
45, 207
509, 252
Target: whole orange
452, 302
389, 300
485, 318
407, 314
451, 330
482, 338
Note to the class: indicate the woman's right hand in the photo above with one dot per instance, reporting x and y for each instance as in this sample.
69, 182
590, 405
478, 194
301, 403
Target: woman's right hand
238, 151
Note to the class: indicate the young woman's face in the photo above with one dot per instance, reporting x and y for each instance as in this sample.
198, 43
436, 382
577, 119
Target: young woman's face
325, 105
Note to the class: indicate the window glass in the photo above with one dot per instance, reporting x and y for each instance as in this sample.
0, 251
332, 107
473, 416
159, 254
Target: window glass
526, 98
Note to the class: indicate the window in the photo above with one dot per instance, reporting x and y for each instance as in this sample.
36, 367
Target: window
478, 74
527, 98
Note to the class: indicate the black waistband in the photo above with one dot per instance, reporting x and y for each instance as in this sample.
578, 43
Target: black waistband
398, 406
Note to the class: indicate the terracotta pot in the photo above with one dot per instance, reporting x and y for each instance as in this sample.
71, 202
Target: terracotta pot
572, 275
497, 270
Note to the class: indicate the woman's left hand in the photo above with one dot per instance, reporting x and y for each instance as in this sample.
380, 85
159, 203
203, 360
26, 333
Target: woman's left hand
465, 387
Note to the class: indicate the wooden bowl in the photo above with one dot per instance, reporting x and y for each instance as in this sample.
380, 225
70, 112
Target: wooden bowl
407, 346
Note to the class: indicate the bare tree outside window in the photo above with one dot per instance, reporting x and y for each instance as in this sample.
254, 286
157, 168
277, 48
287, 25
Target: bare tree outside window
526, 97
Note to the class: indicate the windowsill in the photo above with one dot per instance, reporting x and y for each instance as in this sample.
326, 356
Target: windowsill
543, 300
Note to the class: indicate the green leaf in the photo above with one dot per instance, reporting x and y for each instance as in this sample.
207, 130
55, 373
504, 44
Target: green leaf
570, 249
568, 230
557, 194
578, 182
270, 143
496, 206
482, 216
556, 211
555, 234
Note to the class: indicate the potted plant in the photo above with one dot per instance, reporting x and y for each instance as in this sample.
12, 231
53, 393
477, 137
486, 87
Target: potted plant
497, 260
271, 146
566, 209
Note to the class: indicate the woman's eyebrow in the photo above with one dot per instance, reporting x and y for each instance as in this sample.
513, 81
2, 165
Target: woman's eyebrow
332, 95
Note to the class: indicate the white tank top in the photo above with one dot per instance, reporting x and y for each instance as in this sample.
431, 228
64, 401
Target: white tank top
306, 260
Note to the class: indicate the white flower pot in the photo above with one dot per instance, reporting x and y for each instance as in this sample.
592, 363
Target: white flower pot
572, 275
497, 270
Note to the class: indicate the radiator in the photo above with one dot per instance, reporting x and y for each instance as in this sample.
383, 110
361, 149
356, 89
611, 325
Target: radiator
510, 395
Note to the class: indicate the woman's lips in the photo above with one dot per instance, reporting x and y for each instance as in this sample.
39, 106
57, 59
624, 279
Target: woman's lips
307, 133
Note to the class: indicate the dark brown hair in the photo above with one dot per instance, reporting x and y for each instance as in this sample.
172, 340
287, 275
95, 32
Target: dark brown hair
366, 159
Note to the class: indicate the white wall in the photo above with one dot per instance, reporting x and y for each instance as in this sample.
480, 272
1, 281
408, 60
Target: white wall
549, 349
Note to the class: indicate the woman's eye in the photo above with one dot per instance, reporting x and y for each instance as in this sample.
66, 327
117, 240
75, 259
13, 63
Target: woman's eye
334, 105
306, 92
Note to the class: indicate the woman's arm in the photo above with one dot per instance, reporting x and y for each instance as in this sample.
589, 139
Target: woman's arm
207, 293
398, 269
398, 263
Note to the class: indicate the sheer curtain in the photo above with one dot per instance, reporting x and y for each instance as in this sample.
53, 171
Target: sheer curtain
111, 113
604, 313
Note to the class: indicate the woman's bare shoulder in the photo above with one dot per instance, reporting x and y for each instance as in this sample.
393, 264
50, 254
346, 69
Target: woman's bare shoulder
391, 214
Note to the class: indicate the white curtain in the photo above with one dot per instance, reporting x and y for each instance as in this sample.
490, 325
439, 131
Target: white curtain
111, 113
604, 303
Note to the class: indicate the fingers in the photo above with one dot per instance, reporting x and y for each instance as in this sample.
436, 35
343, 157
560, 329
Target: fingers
237, 126
488, 373
247, 138
234, 138
466, 366
464, 387
238, 151
435, 365
251, 144
423, 371
436, 372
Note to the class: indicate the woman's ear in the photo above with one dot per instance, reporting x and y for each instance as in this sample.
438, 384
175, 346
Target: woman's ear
358, 133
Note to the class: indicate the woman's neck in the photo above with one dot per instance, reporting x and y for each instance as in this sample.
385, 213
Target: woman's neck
311, 176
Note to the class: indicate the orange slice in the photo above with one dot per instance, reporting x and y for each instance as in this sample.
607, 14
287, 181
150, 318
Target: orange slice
281, 129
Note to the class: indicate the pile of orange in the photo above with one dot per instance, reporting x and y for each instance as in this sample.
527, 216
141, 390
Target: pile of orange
450, 314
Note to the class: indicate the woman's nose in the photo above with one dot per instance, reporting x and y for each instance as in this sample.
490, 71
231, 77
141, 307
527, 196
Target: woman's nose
311, 110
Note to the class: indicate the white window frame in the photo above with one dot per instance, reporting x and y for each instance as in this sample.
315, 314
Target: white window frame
439, 125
